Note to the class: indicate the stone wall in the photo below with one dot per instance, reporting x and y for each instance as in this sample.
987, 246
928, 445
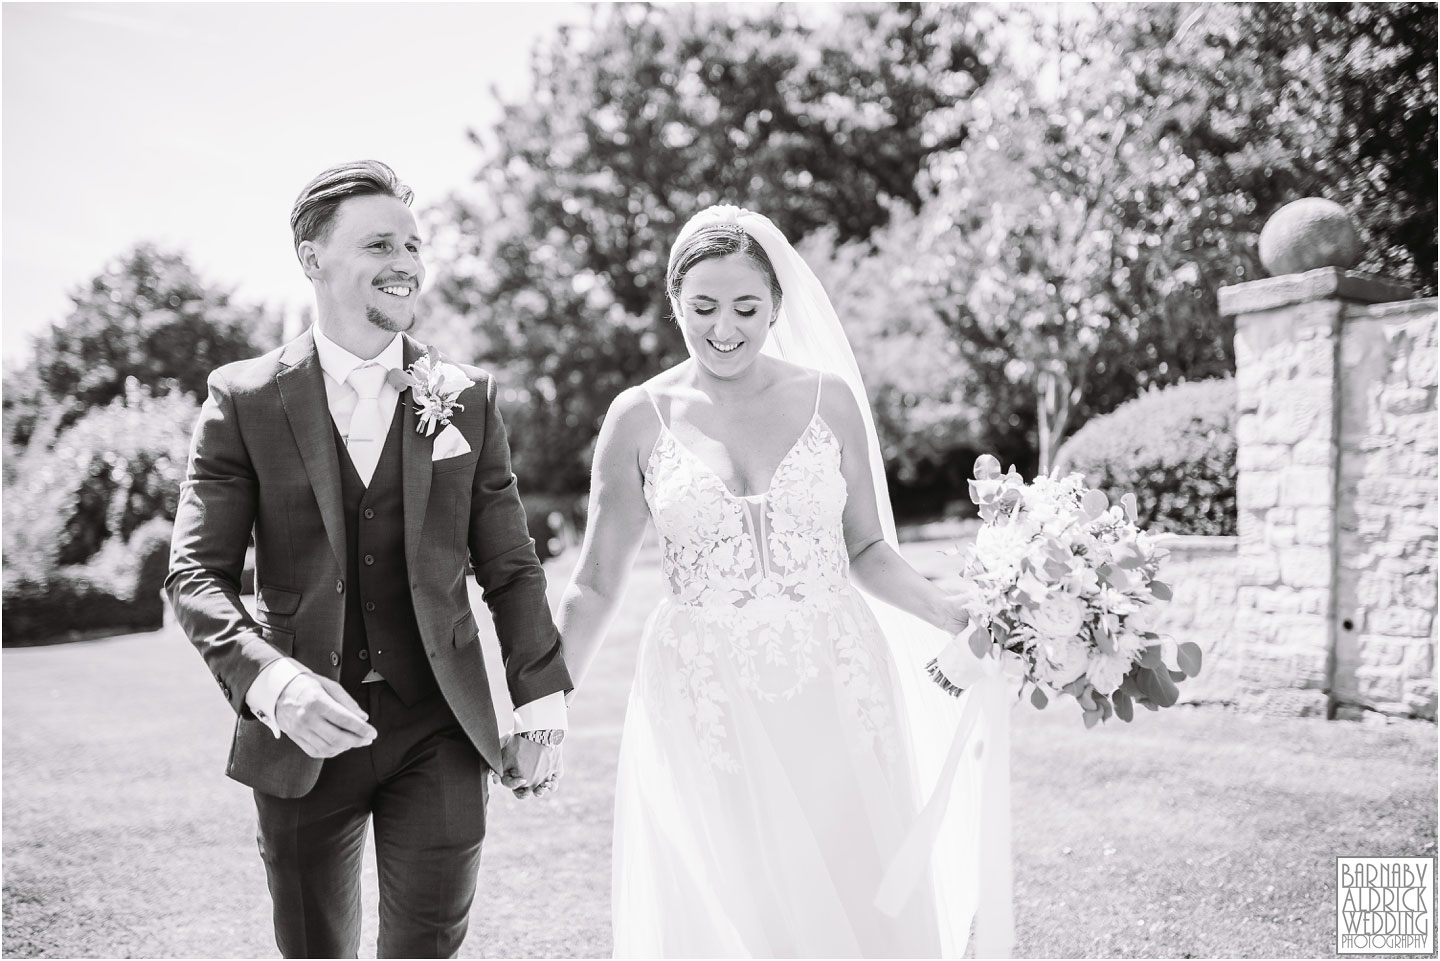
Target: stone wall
1202, 572
1386, 526
1336, 495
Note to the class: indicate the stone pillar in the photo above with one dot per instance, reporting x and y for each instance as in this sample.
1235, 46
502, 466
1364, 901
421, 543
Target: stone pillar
1287, 358
1386, 585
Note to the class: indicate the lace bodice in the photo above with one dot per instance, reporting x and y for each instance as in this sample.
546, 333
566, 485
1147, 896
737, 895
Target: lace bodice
760, 596
720, 548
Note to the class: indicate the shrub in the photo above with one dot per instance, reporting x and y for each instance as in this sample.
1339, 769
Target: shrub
1174, 448
87, 518
117, 589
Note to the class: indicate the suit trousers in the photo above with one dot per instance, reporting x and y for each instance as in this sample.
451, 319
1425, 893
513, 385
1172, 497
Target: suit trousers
426, 787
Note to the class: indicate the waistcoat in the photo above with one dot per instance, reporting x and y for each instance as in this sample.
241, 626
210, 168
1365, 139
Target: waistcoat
380, 628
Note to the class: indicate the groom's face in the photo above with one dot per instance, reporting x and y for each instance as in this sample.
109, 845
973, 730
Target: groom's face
369, 269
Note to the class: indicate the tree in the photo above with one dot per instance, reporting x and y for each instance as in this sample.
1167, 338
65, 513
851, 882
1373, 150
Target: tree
558, 255
1074, 244
149, 317
1056, 245
1274, 102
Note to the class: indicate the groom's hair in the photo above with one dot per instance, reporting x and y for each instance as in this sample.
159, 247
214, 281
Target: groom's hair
314, 212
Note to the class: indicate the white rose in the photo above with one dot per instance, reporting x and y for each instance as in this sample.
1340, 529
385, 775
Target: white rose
1058, 617
1106, 671
453, 380
1060, 661
1000, 546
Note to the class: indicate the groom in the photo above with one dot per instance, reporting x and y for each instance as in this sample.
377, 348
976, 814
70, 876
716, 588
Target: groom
359, 683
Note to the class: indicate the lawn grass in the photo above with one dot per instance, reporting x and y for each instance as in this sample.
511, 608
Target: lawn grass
1193, 832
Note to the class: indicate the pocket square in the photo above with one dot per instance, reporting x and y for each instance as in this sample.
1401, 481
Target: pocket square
449, 443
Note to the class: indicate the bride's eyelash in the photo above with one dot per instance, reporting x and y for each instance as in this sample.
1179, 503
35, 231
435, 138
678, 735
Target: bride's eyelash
705, 311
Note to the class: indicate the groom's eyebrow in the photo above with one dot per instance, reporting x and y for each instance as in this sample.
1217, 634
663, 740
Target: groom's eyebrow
388, 234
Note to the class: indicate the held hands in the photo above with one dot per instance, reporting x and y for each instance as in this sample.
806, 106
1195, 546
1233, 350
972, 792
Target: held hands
317, 714
530, 767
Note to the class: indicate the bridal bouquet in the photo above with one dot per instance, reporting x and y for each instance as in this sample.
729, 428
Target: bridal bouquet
1063, 582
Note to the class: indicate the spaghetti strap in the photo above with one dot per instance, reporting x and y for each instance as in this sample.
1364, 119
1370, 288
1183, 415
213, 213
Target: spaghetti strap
656, 404
819, 383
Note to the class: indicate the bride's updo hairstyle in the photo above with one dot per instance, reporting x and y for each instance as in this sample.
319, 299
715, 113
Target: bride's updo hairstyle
713, 241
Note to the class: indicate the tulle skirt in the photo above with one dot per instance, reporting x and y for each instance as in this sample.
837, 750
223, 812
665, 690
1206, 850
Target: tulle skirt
765, 783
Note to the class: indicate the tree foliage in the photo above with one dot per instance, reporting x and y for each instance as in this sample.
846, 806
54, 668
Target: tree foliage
1018, 240
1075, 243
147, 316
558, 255
1274, 102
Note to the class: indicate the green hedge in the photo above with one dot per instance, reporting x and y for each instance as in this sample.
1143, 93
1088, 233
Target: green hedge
1174, 448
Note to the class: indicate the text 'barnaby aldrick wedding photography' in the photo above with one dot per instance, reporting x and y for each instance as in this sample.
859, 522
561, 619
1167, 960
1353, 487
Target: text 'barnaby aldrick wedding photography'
1385, 905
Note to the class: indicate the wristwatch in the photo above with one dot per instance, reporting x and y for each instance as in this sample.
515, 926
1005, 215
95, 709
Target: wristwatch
548, 738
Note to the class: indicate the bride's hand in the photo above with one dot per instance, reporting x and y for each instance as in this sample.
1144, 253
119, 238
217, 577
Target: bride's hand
954, 614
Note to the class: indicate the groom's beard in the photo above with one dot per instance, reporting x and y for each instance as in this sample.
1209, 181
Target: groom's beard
386, 323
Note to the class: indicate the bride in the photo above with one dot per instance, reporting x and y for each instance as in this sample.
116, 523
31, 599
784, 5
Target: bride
779, 745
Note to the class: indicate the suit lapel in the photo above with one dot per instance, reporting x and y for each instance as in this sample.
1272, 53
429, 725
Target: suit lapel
302, 393
415, 451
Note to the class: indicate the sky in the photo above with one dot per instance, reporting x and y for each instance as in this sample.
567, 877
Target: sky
194, 125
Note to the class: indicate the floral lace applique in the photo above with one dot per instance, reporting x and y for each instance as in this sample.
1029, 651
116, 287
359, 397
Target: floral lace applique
763, 583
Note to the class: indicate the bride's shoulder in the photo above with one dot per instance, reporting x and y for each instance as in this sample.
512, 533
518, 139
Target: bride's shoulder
839, 407
632, 407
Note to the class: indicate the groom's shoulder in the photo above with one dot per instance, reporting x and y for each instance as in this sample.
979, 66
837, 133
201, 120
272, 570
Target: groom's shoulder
248, 375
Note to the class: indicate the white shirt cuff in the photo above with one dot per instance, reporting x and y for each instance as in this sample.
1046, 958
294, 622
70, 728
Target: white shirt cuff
542, 714
264, 693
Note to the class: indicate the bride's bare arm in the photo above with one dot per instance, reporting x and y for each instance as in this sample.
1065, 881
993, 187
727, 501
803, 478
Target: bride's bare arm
614, 530
874, 564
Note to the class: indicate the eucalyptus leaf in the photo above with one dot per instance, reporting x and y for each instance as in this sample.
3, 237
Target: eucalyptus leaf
1124, 707
1152, 658
987, 467
1161, 590
1189, 656
1038, 698
1093, 504
1129, 556
1091, 719
1169, 693
980, 642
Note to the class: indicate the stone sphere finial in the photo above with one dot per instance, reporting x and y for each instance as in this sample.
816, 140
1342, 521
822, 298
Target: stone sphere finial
1306, 234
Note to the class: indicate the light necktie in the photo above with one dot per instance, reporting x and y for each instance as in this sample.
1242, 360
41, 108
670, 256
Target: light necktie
367, 434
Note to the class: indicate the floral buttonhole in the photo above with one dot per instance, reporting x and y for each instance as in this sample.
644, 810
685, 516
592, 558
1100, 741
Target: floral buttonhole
434, 385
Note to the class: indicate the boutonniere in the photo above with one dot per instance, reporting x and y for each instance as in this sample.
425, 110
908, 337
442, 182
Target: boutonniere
435, 384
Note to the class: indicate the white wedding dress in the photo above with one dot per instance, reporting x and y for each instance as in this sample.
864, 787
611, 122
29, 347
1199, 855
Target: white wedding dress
764, 777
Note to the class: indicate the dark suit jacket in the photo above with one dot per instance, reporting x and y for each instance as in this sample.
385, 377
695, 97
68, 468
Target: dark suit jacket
263, 458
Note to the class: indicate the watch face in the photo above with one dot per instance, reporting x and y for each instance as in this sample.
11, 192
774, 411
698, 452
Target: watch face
556, 737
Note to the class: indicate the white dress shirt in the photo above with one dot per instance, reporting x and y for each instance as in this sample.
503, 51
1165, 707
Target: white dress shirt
546, 713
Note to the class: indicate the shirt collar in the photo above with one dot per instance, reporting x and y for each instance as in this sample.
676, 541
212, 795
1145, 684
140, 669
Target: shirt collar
339, 362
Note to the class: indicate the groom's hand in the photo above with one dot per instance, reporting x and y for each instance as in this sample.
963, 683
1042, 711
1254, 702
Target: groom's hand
317, 714
530, 767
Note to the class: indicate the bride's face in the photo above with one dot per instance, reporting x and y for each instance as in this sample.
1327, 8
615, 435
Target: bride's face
725, 309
